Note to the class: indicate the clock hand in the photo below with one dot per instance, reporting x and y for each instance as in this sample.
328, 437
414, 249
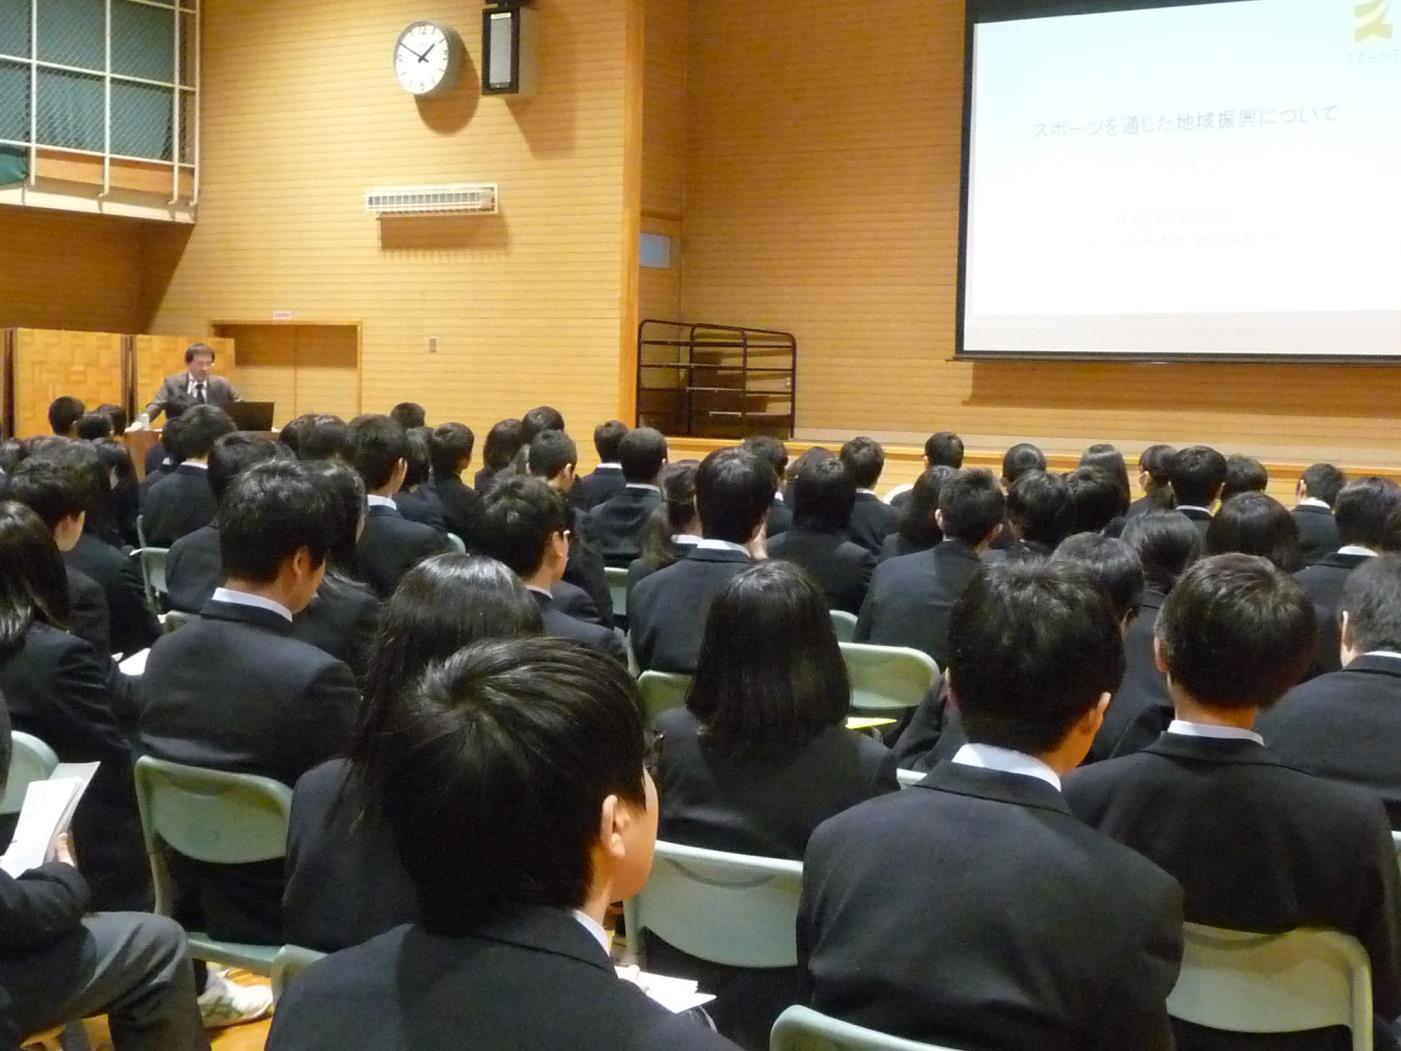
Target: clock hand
424, 57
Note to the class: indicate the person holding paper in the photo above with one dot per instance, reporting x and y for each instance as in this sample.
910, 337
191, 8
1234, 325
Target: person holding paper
512, 776
59, 964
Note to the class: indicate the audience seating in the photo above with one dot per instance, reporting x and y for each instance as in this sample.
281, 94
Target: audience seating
887, 679
1274, 983
290, 961
618, 588
215, 817
30, 760
456, 543
152, 560
177, 619
755, 899
141, 530
910, 777
661, 691
844, 624
803, 1029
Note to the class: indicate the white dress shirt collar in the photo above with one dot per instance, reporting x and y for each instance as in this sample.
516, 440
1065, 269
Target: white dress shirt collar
1357, 549
242, 598
710, 544
869, 492
990, 757
196, 466
642, 485
1183, 728
540, 591
1313, 501
375, 500
592, 926
1193, 507
609, 465
1383, 653
685, 538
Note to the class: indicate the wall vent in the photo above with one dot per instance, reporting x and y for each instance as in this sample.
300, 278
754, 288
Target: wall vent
455, 199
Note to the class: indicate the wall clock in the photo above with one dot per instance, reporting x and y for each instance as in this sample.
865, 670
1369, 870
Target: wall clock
427, 58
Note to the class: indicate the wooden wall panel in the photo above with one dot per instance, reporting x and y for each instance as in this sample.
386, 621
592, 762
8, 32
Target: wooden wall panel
664, 121
50, 363
300, 367
160, 356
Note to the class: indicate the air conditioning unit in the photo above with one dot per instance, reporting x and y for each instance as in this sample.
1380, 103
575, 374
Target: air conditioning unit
454, 199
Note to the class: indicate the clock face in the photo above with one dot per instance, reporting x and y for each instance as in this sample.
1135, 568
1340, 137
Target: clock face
425, 58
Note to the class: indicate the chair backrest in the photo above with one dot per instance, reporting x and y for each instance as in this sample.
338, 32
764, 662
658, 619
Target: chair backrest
457, 543
803, 1029
1274, 983
208, 815
177, 619
152, 561
1396, 842
888, 678
910, 777
661, 691
618, 588
732, 909
844, 624
141, 530
30, 760
290, 961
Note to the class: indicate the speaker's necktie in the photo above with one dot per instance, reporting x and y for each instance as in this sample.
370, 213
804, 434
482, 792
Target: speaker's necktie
199, 393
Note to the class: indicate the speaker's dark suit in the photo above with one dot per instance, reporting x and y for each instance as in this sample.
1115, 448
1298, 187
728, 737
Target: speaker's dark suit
391, 545
88, 605
193, 569
895, 545
234, 691
911, 598
600, 484
1345, 726
872, 520
779, 519
1318, 532
557, 622
616, 524
667, 610
341, 620
422, 506
345, 882
1199, 518
217, 391
1256, 846
842, 569
974, 910
134, 626
1141, 709
461, 505
59, 689
1323, 582
177, 505
526, 977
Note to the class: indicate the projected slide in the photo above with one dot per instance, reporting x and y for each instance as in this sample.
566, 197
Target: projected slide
1210, 179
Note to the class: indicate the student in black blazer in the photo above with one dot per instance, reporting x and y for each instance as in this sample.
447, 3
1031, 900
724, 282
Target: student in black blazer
617, 522
1155, 479
605, 480
674, 529
1317, 491
1360, 511
345, 882
450, 448
417, 500
1254, 523
1346, 726
553, 458
524, 524
1197, 474
919, 530
390, 545
1256, 845
872, 519
941, 449
923, 907
235, 691
773, 452
912, 597
550, 818
667, 610
823, 496
184, 501
1039, 516
503, 443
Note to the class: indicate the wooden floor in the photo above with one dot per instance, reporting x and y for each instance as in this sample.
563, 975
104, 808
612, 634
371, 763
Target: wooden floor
250, 1037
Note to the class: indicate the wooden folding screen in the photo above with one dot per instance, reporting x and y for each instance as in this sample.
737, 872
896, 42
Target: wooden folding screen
44, 364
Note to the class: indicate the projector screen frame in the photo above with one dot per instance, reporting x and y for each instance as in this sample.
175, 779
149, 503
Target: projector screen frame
977, 12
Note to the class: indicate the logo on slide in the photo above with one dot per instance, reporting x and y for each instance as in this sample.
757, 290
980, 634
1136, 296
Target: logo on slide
1372, 20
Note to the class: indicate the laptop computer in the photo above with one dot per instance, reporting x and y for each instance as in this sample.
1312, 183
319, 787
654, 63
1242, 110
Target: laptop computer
252, 415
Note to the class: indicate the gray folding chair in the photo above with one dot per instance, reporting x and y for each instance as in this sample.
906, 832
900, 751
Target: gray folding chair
888, 679
30, 760
457, 543
152, 561
661, 691
844, 624
618, 588
290, 961
803, 1029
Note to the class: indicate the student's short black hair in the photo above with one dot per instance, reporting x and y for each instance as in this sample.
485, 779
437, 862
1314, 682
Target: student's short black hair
234, 453
1252, 523
503, 441
550, 453
85, 468
379, 444
1021, 458
917, 522
1166, 544
12, 454
538, 420
1038, 504
944, 449
451, 448
1244, 474
270, 512
1095, 499
517, 518
865, 459
197, 349
408, 414
116, 414
1362, 508
769, 449
1156, 462
1113, 563
770, 676
94, 426
327, 437
521, 740
64, 412
294, 430
116, 458
1236, 632
200, 428
1032, 647
734, 490
1110, 460
823, 495
33, 583
1372, 599
1196, 475
345, 495
419, 462
972, 505
46, 489
606, 437
642, 452
1323, 482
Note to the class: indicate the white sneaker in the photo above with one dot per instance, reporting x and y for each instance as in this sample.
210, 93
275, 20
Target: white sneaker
225, 1002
